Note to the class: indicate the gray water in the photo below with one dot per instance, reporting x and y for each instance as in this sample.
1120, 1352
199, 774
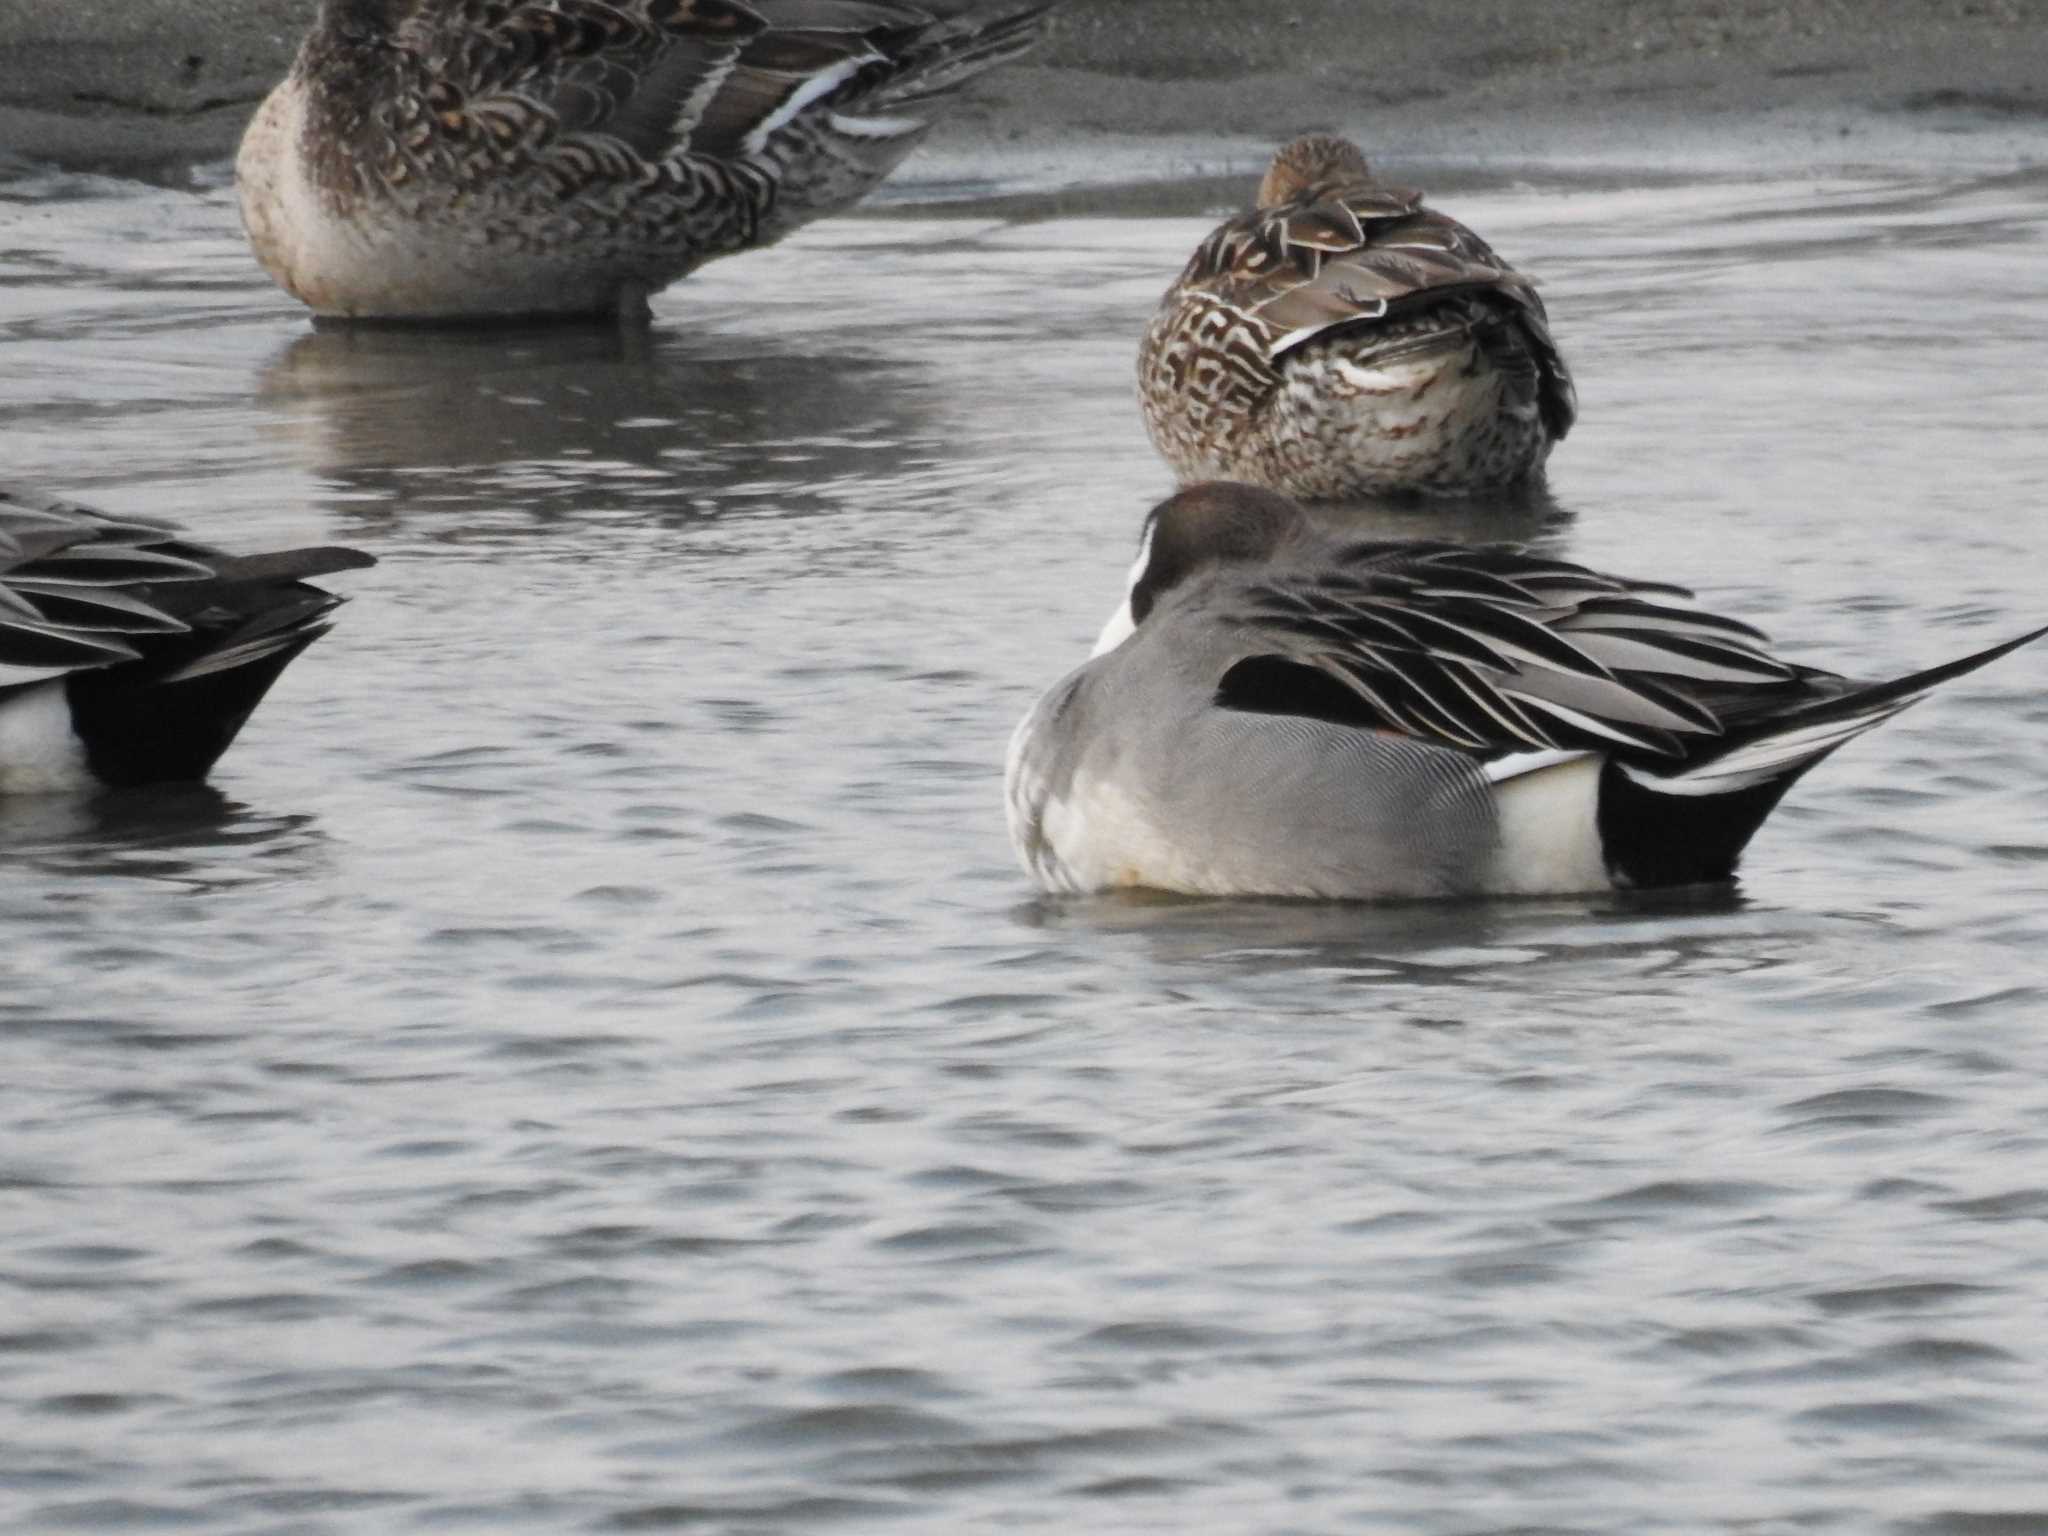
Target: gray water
590, 1062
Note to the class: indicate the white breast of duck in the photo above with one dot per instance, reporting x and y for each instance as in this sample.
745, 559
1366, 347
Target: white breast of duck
41, 751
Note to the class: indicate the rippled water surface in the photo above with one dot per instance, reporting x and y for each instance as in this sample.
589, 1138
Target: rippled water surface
590, 1063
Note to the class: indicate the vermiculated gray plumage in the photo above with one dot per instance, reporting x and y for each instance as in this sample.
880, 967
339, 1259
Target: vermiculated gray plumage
1299, 712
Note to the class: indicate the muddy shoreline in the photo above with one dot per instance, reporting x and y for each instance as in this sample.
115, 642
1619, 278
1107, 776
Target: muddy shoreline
1138, 89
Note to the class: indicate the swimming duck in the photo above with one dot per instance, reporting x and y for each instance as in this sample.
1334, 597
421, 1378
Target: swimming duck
1279, 710
130, 656
437, 160
1343, 340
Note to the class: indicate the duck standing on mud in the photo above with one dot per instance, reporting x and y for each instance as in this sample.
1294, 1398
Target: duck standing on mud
446, 160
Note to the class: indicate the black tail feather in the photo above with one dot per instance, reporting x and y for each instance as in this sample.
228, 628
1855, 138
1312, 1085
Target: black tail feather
138, 729
1792, 737
1684, 824
169, 714
291, 564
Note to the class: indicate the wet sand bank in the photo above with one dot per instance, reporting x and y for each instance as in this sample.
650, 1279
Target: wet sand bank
1138, 89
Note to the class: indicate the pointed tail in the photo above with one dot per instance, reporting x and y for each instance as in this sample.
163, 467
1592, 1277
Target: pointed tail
1783, 746
254, 607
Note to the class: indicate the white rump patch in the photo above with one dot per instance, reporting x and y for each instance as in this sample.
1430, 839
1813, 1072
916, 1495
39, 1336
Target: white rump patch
1548, 807
39, 752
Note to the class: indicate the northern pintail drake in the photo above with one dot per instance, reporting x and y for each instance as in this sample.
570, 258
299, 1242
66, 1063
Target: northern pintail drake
1342, 340
440, 160
130, 656
1278, 710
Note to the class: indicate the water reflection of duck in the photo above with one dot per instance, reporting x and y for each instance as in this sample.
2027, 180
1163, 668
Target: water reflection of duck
1344, 340
564, 422
188, 835
131, 656
1424, 947
466, 159
1281, 709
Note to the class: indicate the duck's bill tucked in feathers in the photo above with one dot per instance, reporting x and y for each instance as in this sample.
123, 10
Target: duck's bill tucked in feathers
1343, 339
129, 655
1611, 730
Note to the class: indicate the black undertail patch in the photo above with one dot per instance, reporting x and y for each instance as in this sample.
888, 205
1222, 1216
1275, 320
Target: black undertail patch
1650, 838
138, 728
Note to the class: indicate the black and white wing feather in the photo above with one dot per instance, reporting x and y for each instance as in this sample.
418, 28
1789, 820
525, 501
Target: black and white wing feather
80, 590
69, 581
1491, 649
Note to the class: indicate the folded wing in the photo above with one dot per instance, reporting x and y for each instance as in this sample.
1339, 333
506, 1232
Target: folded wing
1490, 650
1353, 256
